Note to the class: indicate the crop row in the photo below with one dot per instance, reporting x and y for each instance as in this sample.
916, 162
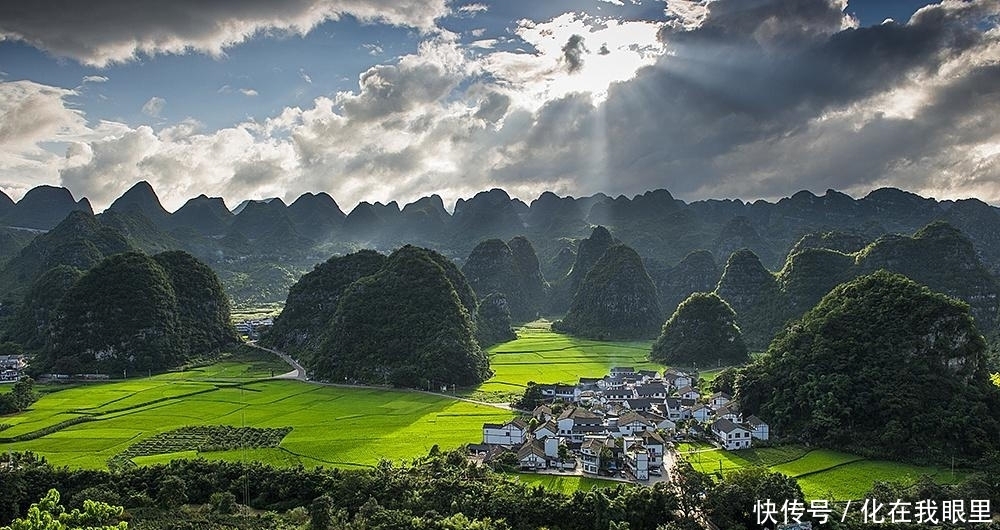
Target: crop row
204, 438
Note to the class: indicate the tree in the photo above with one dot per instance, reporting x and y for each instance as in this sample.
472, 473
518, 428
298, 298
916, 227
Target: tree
701, 331
321, 512
692, 487
23, 394
730, 502
172, 492
48, 514
223, 502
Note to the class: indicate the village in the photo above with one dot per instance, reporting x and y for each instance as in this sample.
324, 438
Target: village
622, 425
12, 367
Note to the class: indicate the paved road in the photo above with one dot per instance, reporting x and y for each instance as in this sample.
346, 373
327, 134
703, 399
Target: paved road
299, 374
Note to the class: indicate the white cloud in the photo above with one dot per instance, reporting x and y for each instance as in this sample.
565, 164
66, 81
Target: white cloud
249, 92
473, 8
104, 34
724, 117
94, 79
154, 106
305, 77
373, 49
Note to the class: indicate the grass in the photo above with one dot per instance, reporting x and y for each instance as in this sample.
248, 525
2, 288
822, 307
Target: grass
821, 473
564, 483
330, 425
543, 356
240, 313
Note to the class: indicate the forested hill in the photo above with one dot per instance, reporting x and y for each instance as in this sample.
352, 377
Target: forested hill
884, 367
259, 250
130, 312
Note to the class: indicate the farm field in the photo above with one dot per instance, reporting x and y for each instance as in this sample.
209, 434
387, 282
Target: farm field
821, 473
564, 483
332, 426
543, 356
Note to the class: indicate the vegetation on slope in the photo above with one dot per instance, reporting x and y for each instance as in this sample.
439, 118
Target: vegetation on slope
754, 294
493, 321
122, 314
313, 300
617, 300
883, 367
79, 241
130, 312
203, 308
701, 332
405, 324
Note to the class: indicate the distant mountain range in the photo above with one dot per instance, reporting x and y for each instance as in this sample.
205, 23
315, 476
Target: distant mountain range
261, 247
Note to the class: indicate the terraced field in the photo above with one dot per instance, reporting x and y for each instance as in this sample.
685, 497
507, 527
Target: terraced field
822, 474
330, 425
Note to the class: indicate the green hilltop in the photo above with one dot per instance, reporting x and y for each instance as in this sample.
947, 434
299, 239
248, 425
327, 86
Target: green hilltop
884, 367
406, 325
129, 312
617, 300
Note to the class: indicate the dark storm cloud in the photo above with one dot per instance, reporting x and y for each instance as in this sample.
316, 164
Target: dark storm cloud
735, 108
573, 52
108, 31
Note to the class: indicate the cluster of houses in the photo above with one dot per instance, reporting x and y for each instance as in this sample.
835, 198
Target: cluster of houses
621, 418
253, 327
12, 366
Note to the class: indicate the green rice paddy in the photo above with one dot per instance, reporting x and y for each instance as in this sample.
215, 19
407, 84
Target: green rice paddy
567, 484
821, 473
333, 426
543, 356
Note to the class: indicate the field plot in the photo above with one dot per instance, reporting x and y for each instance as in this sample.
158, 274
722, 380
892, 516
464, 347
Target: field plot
565, 483
330, 425
821, 473
543, 356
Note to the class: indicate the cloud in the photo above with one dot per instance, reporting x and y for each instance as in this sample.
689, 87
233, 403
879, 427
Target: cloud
373, 49
121, 30
94, 79
154, 106
573, 52
31, 112
723, 108
249, 92
472, 9
305, 77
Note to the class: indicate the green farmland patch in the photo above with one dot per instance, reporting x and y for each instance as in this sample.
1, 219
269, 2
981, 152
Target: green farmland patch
543, 356
567, 484
332, 426
821, 473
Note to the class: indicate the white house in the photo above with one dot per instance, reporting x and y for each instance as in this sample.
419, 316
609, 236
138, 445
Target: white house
631, 423
758, 429
686, 392
729, 412
637, 459
548, 429
700, 413
512, 433
720, 399
654, 446
731, 435
531, 455
590, 454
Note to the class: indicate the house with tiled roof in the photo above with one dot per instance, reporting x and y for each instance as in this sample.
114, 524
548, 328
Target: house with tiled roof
531, 455
758, 428
512, 433
730, 435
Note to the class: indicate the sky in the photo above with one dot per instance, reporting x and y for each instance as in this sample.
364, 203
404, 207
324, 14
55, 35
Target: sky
380, 100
